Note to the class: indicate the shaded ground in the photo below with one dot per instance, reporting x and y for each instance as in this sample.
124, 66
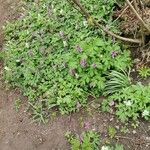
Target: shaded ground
18, 132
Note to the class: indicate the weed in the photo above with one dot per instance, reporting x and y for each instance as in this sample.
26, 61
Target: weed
112, 132
131, 102
125, 130
87, 141
116, 147
144, 72
38, 114
17, 104
117, 81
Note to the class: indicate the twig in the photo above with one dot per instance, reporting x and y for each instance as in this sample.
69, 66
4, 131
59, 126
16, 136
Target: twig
87, 15
117, 36
123, 137
122, 12
142, 28
135, 5
137, 141
138, 16
73, 4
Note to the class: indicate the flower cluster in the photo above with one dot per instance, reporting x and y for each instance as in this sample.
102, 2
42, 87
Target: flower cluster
83, 63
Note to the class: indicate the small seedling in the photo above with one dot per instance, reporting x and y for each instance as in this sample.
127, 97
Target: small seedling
119, 147
144, 72
112, 132
38, 113
125, 130
135, 124
17, 104
81, 122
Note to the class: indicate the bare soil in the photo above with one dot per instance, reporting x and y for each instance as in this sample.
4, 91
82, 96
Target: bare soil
18, 132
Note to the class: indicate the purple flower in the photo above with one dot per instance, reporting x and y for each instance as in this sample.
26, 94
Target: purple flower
87, 125
83, 63
94, 65
61, 34
114, 54
78, 48
72, 72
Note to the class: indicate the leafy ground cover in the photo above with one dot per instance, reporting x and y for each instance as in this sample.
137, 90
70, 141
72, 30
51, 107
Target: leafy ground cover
117, 87
57, 58
89, 141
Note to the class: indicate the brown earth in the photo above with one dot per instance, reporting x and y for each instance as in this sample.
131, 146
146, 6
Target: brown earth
18, 132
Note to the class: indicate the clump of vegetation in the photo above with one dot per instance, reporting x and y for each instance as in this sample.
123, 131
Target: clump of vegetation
130, 102
126, 99
89, 140
144, 72
1, 56
57, 58
112, 132
17, 104
117, 80
116, 147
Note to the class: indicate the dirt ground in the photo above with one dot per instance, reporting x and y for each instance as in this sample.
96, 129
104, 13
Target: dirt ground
18, 132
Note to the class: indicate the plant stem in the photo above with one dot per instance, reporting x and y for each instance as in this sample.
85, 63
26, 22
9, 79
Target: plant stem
87, 15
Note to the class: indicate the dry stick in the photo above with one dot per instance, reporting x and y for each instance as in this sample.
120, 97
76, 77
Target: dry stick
138, 16
142, 28
87, 15
143, 141
117, 36
135, 5
122, 12
73, 4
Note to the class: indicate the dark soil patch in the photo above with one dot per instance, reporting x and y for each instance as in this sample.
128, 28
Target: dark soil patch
18, 132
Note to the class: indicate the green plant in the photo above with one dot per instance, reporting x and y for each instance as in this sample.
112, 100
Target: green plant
17, 104
125, 130
1, 56
112, 132
131, 102
89, 140
116, 147
117, 81
144, 72
54, 56
38, 113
